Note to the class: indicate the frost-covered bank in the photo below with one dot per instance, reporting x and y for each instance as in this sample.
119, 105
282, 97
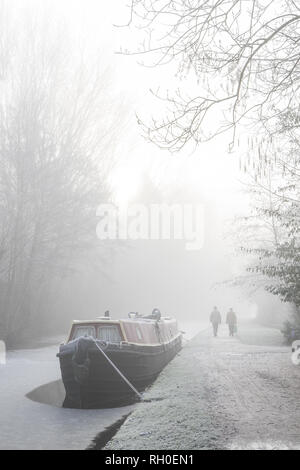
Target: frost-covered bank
220, 394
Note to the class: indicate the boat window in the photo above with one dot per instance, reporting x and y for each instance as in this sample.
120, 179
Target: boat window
84, 331
110, 334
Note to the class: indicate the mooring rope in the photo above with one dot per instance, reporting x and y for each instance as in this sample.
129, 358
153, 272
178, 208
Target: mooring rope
119, 372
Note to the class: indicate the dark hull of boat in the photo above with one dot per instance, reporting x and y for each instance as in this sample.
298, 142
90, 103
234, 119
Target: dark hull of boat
103, 386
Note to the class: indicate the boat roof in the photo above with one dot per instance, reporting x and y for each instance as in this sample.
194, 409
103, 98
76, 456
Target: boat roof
110, 320
96, 320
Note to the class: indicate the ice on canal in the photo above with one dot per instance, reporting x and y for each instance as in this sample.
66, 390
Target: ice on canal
28, 424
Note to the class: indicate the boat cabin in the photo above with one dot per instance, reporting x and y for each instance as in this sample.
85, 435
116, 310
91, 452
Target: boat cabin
136, 330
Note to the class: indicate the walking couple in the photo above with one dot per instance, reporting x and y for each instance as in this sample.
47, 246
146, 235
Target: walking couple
216, 319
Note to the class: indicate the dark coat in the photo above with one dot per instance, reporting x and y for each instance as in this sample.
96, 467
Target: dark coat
215, 317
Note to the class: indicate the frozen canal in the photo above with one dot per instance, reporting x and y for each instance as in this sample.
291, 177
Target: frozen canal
26, 424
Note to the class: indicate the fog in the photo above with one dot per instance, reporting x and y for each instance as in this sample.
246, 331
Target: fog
149, 226
121, 167
147, 274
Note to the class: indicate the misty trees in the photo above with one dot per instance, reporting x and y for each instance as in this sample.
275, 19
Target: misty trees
245, 57
56, 149
269, 237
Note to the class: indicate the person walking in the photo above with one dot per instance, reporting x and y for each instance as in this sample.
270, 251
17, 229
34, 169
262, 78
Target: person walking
215, 319
231, 320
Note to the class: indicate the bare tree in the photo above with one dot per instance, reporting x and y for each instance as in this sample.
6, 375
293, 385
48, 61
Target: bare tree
245, 55
242, 59
56, 149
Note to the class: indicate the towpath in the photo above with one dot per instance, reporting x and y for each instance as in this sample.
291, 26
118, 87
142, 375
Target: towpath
221, 393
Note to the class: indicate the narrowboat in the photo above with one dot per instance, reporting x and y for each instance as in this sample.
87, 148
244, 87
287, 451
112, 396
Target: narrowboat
101, 356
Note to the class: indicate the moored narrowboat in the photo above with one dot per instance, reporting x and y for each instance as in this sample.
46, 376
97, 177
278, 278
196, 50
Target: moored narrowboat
99, 352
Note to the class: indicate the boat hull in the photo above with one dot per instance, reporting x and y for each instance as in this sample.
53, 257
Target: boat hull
101, 385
